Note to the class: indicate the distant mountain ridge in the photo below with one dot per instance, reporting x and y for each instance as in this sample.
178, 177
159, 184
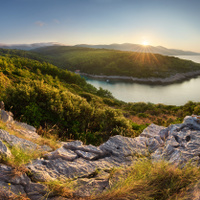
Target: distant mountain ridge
122, 47
141, 48
28, 47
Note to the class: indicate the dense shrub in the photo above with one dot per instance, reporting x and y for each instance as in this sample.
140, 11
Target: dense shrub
43, 95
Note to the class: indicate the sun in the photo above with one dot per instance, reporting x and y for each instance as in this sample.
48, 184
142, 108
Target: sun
145, 43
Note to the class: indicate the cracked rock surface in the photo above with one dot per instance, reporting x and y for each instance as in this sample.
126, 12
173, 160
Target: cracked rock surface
88, 166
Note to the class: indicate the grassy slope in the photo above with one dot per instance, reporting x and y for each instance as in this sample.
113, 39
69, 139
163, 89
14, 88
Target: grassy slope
113, 62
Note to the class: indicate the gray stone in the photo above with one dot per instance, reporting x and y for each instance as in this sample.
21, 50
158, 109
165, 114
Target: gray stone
86, 155
168, 151
78, 145
90, 187
46, 148
36, 189
158, 154
182, 143
164, 133
74, 145
117, 151
8, 175
192, 122
15, 141
27, 133
5, 116
152, 130
152, 144
5, 173
4, 151
12, 189
65, 154
124, 146
26, 126
172, 141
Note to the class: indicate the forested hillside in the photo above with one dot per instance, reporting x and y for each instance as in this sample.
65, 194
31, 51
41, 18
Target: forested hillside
113, 62
60, 102
43, 95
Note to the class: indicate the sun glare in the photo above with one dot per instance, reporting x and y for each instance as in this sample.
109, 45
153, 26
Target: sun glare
145, 43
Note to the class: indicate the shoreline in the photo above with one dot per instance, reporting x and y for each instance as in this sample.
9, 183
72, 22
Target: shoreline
179, 77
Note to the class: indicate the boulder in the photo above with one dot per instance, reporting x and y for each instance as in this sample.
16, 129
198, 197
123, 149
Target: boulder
27, 133
124, 146
86, 155
78, 145
5, 116
192, 122
182, 144
12, 185
65, 154
152, 131
4, 151
25, 126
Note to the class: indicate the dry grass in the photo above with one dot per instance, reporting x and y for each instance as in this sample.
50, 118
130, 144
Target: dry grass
45, 139
60, 188
157, 181
50, 141
19, 159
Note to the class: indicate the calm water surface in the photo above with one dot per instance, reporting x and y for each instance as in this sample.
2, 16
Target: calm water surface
173, 94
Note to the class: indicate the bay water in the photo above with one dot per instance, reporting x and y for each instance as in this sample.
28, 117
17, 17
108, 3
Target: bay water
173, 94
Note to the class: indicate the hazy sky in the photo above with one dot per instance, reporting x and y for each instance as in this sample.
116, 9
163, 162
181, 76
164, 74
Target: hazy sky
169, 23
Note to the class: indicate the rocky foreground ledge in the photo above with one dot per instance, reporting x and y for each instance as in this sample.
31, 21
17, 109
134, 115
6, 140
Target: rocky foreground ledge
177, 144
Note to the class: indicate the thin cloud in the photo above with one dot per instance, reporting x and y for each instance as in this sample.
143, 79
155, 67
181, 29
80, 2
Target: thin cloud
39, 23
56, 21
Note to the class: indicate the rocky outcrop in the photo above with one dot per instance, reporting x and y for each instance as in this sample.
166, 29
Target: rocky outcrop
6, 116
21, 127
4, 151
182, 143
21, 143
89, 166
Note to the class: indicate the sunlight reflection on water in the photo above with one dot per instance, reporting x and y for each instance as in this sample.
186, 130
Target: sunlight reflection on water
173, 94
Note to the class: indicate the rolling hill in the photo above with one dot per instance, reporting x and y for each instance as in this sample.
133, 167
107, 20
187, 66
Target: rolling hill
141, 49
115, 62
28, 46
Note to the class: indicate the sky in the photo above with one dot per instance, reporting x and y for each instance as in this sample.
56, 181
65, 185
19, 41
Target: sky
169, 23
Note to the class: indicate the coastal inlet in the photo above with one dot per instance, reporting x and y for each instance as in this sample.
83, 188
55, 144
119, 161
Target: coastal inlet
171, 94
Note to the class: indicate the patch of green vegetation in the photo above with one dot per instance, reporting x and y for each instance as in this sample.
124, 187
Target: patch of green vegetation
138, 128
22, 157
162, 114
19, 157
114, 62
61, 188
